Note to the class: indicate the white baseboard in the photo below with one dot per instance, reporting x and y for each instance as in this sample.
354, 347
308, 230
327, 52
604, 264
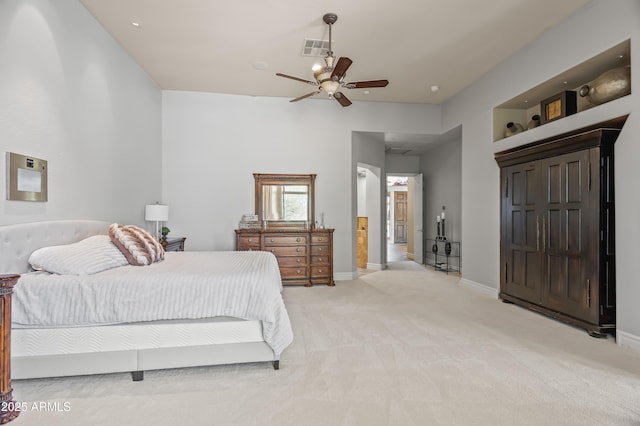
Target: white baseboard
345, 276
376, 266
627, 340
483, 288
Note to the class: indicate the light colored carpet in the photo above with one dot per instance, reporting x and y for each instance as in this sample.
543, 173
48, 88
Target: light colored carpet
405, 346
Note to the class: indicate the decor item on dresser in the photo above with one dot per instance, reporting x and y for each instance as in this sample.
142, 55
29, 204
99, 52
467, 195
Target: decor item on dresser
610, 85
558, 106
156, 213
9, 408
249, 221
558, 227
285, 205
188, 309
512, 128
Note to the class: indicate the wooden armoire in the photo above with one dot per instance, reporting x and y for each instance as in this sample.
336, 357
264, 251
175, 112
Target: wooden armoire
557, 250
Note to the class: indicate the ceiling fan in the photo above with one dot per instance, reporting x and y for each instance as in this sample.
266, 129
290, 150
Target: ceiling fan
329, 78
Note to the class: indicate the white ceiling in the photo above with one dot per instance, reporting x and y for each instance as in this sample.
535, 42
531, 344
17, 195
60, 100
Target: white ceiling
236, 47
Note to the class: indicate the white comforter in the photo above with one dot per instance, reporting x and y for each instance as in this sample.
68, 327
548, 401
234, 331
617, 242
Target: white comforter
186, 285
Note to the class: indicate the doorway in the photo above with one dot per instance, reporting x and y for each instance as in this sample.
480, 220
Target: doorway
404, 218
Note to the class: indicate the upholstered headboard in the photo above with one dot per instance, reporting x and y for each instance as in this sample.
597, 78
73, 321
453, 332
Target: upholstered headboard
17, 242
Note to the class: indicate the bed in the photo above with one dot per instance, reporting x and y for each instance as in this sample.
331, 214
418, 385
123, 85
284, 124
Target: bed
190, 309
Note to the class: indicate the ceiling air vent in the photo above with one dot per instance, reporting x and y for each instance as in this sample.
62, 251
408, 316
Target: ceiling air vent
313, 47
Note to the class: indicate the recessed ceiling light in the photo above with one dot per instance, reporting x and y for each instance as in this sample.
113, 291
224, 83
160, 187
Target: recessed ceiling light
260, 65
435, 88
366, 92
136, 24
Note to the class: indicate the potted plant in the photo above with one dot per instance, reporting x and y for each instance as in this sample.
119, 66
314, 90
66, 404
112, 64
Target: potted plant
165, 231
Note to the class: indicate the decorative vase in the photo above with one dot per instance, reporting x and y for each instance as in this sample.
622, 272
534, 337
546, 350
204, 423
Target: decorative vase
610, 85
512, 128
535, 122
447, 248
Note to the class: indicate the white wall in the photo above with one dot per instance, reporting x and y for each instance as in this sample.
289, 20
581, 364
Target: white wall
213, 143
442, 170
598, 26
402, 164
71, 96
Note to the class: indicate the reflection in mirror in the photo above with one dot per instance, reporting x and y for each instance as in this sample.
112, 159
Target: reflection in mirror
285, 200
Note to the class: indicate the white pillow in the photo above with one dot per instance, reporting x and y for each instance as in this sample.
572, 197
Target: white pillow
86, 257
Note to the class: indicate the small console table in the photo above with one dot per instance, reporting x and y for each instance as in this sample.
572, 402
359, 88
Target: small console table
443, 255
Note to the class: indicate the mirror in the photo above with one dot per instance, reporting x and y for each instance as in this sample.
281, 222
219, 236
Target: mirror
285, 200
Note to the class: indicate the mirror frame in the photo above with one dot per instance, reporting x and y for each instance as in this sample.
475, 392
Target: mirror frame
262, 179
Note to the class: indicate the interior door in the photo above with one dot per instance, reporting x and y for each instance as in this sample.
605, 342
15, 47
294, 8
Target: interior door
521, 231
400, 216
565, 230
418, 236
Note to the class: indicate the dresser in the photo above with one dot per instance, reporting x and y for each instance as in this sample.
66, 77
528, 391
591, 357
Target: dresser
305, 256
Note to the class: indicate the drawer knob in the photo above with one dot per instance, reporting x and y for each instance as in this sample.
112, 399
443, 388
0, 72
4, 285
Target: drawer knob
298, 249
250, 240
319, 270
319, 248
298, 260
298, 239
320, 239
272, 240
273, 250
320, 259
298, 271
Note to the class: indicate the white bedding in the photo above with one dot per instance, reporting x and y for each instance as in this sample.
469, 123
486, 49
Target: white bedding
186, 285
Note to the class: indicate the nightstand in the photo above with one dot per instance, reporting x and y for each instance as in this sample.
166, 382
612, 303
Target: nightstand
173, 244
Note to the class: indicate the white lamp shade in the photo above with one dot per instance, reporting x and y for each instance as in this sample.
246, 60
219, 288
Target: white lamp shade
156, 212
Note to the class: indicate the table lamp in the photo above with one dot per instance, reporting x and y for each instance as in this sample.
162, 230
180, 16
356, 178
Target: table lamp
158, 213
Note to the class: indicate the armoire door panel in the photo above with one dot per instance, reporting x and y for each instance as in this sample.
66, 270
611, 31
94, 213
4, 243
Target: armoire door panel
573, 236
566, 224
521, 232
574, 180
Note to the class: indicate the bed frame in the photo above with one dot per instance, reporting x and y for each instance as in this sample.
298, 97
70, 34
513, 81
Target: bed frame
39, 352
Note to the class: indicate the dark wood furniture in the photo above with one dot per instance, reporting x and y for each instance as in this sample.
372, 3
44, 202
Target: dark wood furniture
173, 244
305, 256
557, 251
9, 409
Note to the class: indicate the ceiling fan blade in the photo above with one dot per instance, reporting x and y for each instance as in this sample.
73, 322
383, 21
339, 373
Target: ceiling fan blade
366, 84
297, 79
305, 96
344, 101
341, 68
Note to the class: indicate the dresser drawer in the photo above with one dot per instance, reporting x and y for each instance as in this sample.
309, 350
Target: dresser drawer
284, 240
316, 250
248, 242
321, 271
289, 273
319, 239
320, 259
287, 251
292, 261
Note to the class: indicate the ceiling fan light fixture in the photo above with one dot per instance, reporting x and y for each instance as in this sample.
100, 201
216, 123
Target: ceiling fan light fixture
330, 86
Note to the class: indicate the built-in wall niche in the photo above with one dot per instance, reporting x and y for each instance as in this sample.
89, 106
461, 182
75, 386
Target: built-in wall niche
523, 107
